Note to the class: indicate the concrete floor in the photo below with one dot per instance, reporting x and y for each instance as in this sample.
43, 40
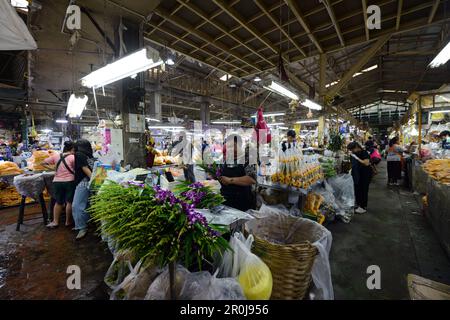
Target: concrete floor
34, 261
393, 235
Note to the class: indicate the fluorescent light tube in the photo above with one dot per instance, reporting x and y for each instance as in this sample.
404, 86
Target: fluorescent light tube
331, 84
257, 79
370, 68
308, 121
153, 119
165, 127
76, 105
283, 128
46, 130
357, 74
61, 121
440, 111
226, 122
170, 62
277, 88
442, 57
274, 114
312, 105
122, 68
275, 124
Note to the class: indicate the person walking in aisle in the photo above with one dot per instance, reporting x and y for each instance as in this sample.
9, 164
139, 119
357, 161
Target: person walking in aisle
84, 162
63, 182
362, 175
394, 162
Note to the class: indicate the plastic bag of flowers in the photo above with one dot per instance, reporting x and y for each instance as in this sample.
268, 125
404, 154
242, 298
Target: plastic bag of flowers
253, 274
155, 224
195, 286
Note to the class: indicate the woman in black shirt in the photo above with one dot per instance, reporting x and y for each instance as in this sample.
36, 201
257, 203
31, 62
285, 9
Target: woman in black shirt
362, 174
83, 170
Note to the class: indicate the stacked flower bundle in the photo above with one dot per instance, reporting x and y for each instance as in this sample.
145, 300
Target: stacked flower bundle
157, 224
292, 171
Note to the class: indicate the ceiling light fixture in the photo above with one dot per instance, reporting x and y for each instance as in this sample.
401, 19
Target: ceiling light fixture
153, 119
226, 122
308, 121
125, 67
76, 105
170, 62
61, 121
440, 111
271, 114
165, 127
278, 88
275, 124
257, 79
370, 68
312, 105
442, 57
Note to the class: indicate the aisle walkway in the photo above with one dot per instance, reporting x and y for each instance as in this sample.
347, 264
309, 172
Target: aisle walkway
393, 235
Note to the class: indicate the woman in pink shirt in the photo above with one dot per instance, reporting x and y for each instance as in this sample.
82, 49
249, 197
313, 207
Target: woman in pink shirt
63, 182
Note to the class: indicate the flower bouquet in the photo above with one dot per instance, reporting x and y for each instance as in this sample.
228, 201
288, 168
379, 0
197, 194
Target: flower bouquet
156, 224
213, 170
199, 195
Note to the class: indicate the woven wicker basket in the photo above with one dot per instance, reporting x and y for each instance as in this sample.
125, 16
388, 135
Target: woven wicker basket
284, 244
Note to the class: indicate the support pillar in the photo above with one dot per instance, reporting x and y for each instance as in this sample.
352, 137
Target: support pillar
155, 108
205, 113
131, 96
322, 82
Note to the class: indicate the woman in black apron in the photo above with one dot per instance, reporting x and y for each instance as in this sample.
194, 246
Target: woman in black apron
237, 181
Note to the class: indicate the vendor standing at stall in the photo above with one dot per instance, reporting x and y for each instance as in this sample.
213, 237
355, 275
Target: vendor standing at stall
291, 142
237, 180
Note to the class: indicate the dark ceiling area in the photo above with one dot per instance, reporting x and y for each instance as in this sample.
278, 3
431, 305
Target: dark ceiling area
244, 39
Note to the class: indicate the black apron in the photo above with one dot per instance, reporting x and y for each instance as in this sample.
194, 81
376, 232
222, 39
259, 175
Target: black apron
238, 197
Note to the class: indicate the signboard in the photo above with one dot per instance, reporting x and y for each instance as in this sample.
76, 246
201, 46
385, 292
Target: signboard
136, 123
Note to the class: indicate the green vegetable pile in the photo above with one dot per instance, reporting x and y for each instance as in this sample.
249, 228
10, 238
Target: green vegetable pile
155, 224
328, 168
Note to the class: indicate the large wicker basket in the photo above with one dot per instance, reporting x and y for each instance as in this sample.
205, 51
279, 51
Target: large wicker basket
284, 244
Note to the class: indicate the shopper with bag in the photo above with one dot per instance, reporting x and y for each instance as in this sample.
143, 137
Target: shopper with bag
84, 163
394, 162
362, 175
63, 182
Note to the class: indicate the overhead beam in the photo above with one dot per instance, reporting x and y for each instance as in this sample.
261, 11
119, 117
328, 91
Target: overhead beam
364, 8
222, 28
399, 14
433, 11
201, 35
275, 22
366, 56
236, 16
161, 42
295, 9
330, 11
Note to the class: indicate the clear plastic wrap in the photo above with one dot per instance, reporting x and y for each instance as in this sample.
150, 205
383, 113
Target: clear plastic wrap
299, 230
136, 283
194, 286
30, 185
118, 270
252, 273
342, 188
160, 288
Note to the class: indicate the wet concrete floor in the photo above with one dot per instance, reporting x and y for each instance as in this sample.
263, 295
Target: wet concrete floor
34, 260
393, 235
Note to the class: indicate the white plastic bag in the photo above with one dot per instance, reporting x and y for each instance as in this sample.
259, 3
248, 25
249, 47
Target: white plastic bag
253, 274
118, 270
321, 272
160, 288
204, 286
342, 188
